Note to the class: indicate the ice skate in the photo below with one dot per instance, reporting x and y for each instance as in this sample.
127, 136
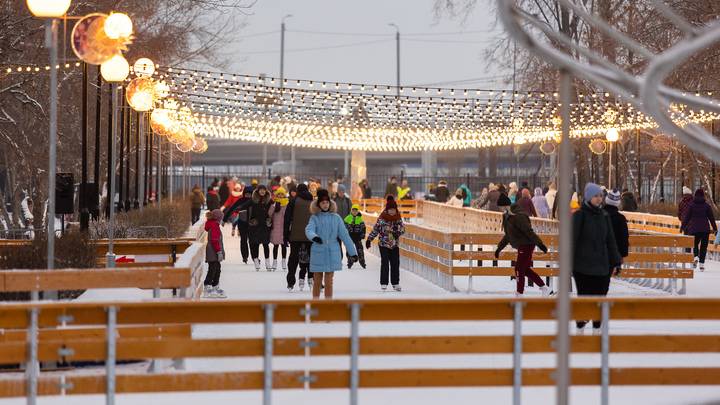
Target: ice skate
350, 263
268, 266
695, 262
274, 266
518, 295
547, 291
301, 284
284, 264
219, 292
290, 288
581, 329
362, 264
397, 287
257, 264
702, 266
384, 287
208, 292
310, 282
597, 332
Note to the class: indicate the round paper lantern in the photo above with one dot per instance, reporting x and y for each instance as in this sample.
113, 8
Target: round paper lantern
140, 94
187, 145
118, 25
48, 8
598, 146
177, 137
116, 69
89, 41
200, 145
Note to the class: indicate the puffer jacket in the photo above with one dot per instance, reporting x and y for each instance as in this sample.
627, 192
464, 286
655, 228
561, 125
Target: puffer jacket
258, 209
297, 216
383, 231
326, 257
442, 193
518, 229
594, 246
278, 216
196, 198
234, 196
455, 201
215, 241
628, 202
701, 215
356, 227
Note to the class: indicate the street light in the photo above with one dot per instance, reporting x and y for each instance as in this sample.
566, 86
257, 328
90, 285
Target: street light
612, 136
113, 71
397, 47
282, 79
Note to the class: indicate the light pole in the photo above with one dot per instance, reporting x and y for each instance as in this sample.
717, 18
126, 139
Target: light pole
113, 71
397, 47
282, 79
612, 136
50, 10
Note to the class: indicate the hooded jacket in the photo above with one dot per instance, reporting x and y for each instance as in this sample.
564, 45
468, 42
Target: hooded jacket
701, 215
685, 202
234, 196
594, 248
442, 193
196, 198
277, 212
541, 205
467, 196
620, 229
297, 216
258, 209
518, 229
215, 241
527, 206
326, 256
390, 189
628, 202
213, 202
224, 192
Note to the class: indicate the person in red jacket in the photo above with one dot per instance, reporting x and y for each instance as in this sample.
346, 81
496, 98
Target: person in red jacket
234, 196
214, 254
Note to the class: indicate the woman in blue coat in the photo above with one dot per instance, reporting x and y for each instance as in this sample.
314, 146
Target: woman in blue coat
324, 229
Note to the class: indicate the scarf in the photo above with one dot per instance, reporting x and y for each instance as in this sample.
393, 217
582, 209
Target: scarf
283, 201
391, 218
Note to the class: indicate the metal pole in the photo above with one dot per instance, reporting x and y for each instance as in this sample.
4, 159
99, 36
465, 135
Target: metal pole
397, 47
137, 160
141, 146
562, 375
346, 167
609, 182
172, 188
268, 373
605, 354
110, 257
111, 356
96, 175
121, 173
33, 367
517, 351
51, 44
159, 176
354, 352
127, 118
84, 212
264, 169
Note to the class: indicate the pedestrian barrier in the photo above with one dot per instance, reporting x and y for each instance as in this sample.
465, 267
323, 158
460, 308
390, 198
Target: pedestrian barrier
115, 317
410, 209
432, 254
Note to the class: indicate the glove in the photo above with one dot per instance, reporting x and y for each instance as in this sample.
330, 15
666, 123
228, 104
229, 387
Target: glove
220, 256
497, 253
368, 244
277, 206
543, 248
396, 235
317, 239
617, 271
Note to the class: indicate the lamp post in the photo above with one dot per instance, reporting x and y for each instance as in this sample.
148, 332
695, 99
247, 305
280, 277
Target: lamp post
612, 136
113, 71
282, 79
50, 10
397, 47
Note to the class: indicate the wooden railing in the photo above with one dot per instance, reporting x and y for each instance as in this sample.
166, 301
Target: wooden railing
434, 255
409, 209
108, 347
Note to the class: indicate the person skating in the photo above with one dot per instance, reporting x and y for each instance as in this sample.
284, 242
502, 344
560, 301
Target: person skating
356, 228
213, 202
620, 229
235, 195
297, 216
277, 213
214, 254
324, 229
702, 217
520, 235
442, 193
259, 225
240, 220
388, 229
196, 202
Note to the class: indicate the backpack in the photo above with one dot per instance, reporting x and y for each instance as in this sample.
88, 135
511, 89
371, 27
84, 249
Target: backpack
197, 199
303, 255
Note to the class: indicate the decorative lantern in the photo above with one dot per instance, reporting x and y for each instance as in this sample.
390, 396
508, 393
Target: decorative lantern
144, 67
115, 69
118, 25
548, 148
91, 44
48, 8
200, 145
598, 146
140, 94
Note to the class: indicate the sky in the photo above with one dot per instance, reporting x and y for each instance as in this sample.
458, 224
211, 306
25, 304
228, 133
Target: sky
339, 40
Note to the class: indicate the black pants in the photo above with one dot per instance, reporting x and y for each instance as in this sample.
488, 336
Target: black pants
701, 238
591, 285
275, 251
389, 262
244, 242
195, 213
293, 262
255, 250
360, 249
213, 275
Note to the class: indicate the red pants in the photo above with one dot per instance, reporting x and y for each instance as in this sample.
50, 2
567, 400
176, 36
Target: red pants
522, 268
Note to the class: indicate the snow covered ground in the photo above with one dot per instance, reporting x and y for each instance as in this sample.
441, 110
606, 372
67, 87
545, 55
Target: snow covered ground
242, 282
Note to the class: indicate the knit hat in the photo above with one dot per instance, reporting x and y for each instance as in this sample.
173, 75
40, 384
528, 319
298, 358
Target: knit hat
261, 187
431, 186
274, 189
302, 187
591, 190
525, 192
340, 187
238, 187
254, 182
323, 195
686, 190
613, 198
218, 215
503, 200
280, 190
390, 202
355, 207
700, 192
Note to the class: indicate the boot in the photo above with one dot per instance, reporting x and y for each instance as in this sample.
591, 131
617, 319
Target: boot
547, 291
233, 232
274, 264
257, 264
208, 292
301, 284
268, 266
284, 264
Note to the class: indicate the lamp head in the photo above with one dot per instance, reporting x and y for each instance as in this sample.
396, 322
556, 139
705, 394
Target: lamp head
118, 25
612, 135
48, 8
115, 70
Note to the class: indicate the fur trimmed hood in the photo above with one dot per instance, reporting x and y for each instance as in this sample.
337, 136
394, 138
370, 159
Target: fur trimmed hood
256, 197
315, 209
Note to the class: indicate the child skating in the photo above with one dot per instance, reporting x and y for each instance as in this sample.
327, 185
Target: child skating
356, 228
388, 229
214, 254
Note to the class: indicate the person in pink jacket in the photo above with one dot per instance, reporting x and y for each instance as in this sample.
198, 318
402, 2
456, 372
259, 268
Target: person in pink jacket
277, 213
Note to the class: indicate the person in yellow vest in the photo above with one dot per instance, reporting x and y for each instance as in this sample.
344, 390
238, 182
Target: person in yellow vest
403, 191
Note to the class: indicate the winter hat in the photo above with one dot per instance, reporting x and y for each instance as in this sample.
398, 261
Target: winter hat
218, 215
390, 202
503, 200
254, 182
279, 191
591, 190
574, 198
274, 189
458, 191
431, 186
323, 195
340, 188
525, 192
538, 192
355, 207
261, 187
288, 180
613, 198
442, 183
512, 185
700, 192
686, 190
196, 186
238, 187
302, 187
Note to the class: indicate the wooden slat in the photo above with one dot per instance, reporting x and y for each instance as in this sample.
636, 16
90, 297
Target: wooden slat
81, 279
158, 332
501, 271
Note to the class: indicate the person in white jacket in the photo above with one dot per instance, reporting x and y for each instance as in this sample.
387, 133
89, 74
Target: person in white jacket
456, 200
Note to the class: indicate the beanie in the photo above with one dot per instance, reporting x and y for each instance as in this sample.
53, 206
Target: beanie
700, 192
390, 202
261, 187
254, 182
217, 215
525, 192
686, 190
355, 207
302, 187
503, 200
591, 190
613, 198
280, 190
323, 195
340, 188
238, 187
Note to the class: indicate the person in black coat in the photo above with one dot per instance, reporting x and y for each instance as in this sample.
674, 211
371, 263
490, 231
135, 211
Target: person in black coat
224, 191
258, 225
242, 223
620, 228
212, 200
629, 203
